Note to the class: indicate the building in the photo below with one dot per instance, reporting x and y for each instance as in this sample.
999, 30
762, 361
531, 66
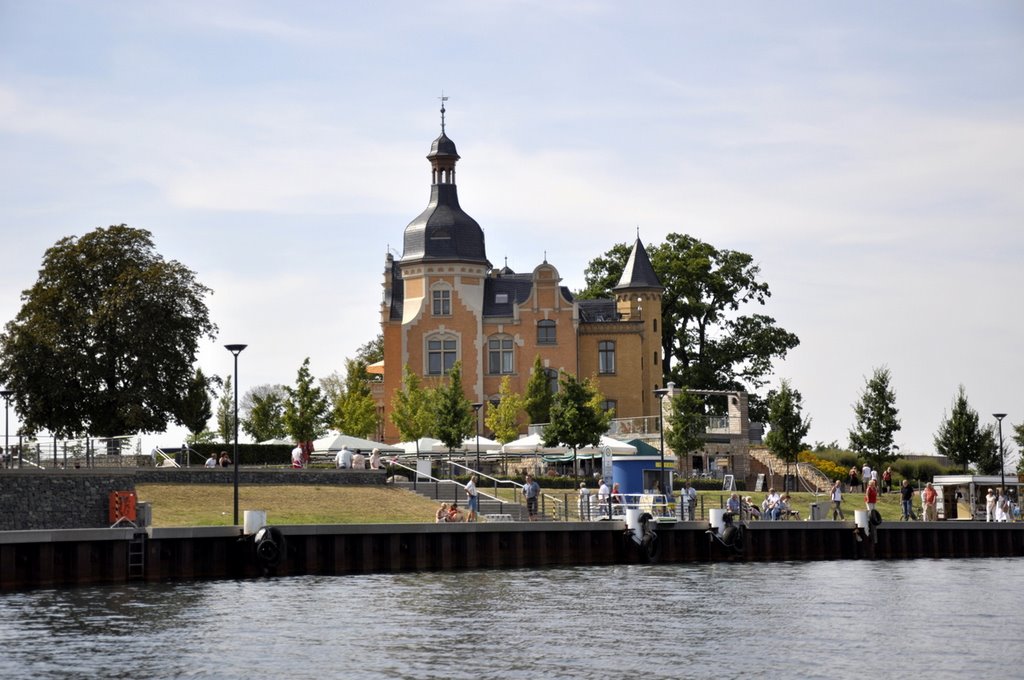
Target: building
444, 302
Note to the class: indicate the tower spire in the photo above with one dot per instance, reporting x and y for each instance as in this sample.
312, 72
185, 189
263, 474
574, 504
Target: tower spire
443, 99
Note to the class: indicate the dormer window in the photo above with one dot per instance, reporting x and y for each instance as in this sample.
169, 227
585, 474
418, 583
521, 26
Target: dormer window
501, 298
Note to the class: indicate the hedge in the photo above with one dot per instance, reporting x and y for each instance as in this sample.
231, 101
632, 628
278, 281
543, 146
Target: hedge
249, 454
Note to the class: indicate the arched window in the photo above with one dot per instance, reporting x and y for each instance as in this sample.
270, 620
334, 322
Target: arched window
442, 353
552, 376
546, 332
606, 356
500, 355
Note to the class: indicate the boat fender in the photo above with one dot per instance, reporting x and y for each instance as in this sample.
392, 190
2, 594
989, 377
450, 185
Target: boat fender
269, 545
650, 546
875, 518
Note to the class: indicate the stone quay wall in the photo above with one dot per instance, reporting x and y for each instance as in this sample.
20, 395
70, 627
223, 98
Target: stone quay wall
80, 499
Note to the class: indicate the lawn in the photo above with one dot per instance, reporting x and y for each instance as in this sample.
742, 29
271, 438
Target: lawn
176, 505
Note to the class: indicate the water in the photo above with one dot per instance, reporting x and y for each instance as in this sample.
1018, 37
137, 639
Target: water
843, 619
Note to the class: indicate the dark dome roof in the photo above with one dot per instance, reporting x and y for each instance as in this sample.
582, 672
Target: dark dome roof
444, 231
442, 146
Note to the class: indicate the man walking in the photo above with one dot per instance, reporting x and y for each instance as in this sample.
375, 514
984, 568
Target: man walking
531, 490
907, 501
837, 501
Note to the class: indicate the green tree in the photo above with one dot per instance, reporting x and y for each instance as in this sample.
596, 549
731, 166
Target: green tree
685, 424
453, 414
788, 427
411, 409
106, 339
960, 437
372, 351
876, 420
1018, 436
355, 411
576, 417
708, 343
197, 405
226, 412
538, 398
305, 408
262, 412
503, 419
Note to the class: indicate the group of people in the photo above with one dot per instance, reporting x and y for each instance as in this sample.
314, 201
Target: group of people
997, 506
449, 513
352, 460
213, 461
883, 481
776, 506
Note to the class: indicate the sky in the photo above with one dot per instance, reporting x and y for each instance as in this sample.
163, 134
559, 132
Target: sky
868, 155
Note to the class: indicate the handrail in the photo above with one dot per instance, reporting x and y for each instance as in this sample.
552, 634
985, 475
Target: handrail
158, 452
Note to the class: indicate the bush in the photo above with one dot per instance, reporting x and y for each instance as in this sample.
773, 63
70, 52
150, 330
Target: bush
829, 468
250, 454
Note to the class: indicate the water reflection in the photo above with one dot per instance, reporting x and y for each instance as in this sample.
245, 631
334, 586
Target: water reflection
807, 620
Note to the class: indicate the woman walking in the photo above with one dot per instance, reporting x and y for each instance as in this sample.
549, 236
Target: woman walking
837, 501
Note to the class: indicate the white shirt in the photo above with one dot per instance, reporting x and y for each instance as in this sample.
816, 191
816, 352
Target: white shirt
343, 459
297, 455
470, 488
837, 493
603, 493
211, 462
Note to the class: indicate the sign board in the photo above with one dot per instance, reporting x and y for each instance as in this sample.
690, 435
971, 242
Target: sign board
759, 484
606, 468
729, 483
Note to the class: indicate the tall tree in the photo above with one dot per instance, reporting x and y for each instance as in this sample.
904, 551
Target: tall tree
262, 416
788, 427
1018, 436
453, 414
503, 419
576, 416
707, 340
226, 412
196, 405
685, 425
960, 437
538, 398
411, 409
106, 339
305, 408
371, 351
355, 411
876, 421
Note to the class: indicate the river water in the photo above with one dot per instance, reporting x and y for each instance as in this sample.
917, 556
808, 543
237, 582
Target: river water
843, 619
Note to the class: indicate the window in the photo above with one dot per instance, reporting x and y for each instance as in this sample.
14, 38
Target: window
442, 352
546, 332
655, 358
608, 406
606, 356
442, 302
655, 325
552, 376
501, 299
499, 355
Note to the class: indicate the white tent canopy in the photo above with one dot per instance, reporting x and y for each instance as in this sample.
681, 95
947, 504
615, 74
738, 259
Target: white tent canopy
610, 445
335, 442
485, 444
423, 445
533, 443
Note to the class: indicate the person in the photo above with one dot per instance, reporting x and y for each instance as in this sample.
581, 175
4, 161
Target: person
784, 511
474, 498
733, 504
297, 456
211, 462
887, 480
375, 459
531, 490
603, 492
871, 496
865, 476
907, 501
1002, 505
344, 458
584, 502
442, 514
771, 507
454, 514
852, 478
358, 460
990, 505
928, 497
837, 501
618, 502
751, 510
225, 460
690, 506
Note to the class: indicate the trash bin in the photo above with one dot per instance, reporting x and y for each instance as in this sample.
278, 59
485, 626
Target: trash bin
817, 512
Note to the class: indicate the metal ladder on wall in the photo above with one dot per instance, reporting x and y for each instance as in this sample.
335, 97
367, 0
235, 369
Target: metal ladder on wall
137, 556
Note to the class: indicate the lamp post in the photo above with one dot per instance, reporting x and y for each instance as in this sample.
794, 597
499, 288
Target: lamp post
660, 394
236, 350
6, 394
476, 413
1002, 467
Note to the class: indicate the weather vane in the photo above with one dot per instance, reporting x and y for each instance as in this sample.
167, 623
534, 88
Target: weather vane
443, 100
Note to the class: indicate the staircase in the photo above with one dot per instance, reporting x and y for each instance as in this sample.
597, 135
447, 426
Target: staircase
811, 478
444, 491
